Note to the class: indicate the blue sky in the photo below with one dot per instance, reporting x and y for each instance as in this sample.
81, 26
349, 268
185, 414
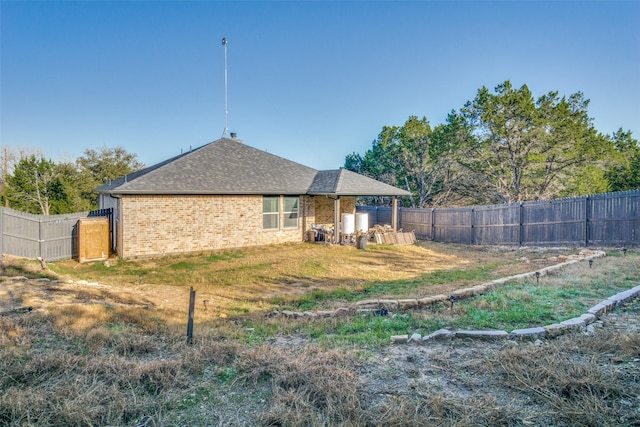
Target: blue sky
309, 81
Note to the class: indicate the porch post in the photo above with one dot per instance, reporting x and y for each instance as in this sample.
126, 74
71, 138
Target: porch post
336, 219
394, 213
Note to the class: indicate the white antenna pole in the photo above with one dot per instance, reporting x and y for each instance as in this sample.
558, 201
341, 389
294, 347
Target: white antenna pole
225, 133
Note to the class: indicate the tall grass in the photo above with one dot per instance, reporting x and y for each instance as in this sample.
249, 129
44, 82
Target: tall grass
579, 390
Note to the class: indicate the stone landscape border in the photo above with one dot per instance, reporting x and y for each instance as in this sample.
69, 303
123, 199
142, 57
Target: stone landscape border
382, 307
576, 324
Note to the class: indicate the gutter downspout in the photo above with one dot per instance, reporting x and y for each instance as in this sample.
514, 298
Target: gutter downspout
119, 249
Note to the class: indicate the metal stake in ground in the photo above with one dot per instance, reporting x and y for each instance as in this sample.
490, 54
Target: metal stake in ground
192, 305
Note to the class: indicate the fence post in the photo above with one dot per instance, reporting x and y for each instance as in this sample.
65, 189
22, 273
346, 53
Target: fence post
192, 304
586, 221
433, 224
473, 224
40, 238
520, 221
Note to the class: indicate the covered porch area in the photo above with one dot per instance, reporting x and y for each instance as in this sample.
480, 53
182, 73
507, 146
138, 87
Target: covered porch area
332, 203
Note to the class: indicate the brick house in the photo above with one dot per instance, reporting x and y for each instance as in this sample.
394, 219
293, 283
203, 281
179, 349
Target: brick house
226, 195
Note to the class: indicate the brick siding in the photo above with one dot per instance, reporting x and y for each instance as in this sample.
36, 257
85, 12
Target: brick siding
161, 225
324, 209
157, 225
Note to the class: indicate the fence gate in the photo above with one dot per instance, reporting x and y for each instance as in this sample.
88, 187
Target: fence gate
52, 237
93, 239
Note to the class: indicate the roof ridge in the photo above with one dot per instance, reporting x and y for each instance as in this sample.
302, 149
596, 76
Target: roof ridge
338, 179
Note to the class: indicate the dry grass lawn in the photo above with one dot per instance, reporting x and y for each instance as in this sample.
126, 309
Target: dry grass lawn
112, 351
253, 279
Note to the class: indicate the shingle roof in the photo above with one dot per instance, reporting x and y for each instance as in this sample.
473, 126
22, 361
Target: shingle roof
343, 182
227, 166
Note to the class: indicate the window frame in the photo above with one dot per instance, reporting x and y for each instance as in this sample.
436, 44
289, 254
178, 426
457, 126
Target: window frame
271, 214
288, 214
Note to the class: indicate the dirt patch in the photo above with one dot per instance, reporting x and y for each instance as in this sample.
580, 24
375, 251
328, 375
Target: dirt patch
464, 370
44, 292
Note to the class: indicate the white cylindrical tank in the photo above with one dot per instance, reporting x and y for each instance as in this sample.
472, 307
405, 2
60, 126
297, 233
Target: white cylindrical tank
362, 222
348, 223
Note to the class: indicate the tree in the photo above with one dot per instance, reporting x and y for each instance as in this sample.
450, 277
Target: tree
424, 161
35, 185
378, 163
526, 149
459, 185
41, 186
589, 178
625, 172
8, 159
72, 180
98, 167
409, 157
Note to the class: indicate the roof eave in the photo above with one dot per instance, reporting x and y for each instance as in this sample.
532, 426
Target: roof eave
199, 193
319, 193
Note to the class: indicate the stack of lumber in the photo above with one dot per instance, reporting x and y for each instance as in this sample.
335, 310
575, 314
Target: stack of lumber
385, 234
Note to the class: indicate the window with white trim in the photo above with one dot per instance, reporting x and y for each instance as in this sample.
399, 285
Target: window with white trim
270, 212
290, 211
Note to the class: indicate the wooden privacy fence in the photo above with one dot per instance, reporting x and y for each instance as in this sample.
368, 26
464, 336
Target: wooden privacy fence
52, 237
598, 220
377, 215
